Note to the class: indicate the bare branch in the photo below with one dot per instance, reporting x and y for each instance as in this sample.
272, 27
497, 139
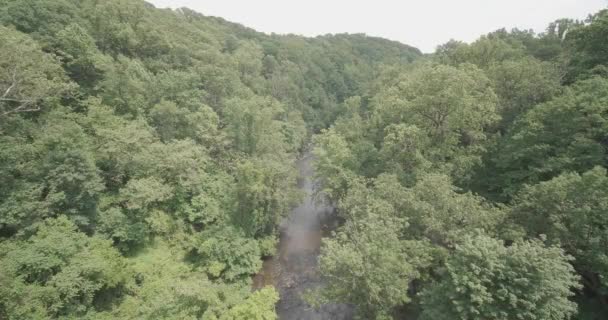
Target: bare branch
13, 84
8, 90
16, 100
21, 108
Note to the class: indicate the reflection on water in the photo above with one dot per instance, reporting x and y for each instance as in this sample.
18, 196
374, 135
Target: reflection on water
294, 269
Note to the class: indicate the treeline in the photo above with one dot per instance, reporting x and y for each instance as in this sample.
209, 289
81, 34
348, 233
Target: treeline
473, 182
146, 155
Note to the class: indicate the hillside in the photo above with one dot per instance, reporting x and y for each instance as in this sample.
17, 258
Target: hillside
148, 157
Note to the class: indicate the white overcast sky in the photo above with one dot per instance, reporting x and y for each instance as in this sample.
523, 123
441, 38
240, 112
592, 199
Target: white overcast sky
420, 23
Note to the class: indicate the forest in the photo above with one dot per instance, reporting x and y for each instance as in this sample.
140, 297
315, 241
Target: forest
147, 158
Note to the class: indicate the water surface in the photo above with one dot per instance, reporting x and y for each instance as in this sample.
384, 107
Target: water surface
294, 269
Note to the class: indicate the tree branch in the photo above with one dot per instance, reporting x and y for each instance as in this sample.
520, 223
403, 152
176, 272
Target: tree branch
13, 84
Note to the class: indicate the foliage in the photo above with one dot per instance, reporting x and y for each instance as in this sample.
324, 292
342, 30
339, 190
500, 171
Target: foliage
58, 272
586, 47
437, 211
463, 143
227, 254
484, 279
570, 210
565, 134
30, 78
367, 265
147, 159
259, 306
133, 134
53, 173
521, 85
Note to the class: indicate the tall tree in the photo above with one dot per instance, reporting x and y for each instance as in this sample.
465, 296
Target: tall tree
484, 279
29, 78
567, 133
571, 210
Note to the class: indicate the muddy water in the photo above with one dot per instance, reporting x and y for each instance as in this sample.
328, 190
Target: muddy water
294, 269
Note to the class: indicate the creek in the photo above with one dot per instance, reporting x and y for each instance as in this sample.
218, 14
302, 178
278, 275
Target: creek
294, 269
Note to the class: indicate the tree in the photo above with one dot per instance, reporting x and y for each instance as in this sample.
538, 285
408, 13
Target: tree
226, 253
259, 306
117, 25
521, 85
403, 151
571, 210
334, 159
172, 122
264, 193
440, 212
254, 125
587, 47
367, 265
372, 262
484, 52
80, 56
58, 272
42, 19
248, 57
121, 144
29, 78
165, 286
484, 279
565, 134
452, 106
53, 174
125, 86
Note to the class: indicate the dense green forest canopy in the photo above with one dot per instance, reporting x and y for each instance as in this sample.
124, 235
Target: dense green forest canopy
147, 158
472, 182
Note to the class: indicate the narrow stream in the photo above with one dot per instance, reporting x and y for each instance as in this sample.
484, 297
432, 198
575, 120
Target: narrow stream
294, 269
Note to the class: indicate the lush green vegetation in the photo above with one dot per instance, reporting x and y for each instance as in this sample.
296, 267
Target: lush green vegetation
147, 157
472, 183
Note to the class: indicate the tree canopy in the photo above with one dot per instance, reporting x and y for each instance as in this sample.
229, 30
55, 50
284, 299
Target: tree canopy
147, 159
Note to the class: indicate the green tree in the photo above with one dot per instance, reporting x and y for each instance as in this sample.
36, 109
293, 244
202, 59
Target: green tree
226, 253
571, 211
403, 149
51, 175
255, 126
484, 279
439, 211
334, 159
125, 86
167, 287
521, 85
452, 106
29, 78
172, 122
367, 265
587, 47
58, 272
259, 306
264, 192
564, 134
372, 262
80, 56
484, 52
42, 19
